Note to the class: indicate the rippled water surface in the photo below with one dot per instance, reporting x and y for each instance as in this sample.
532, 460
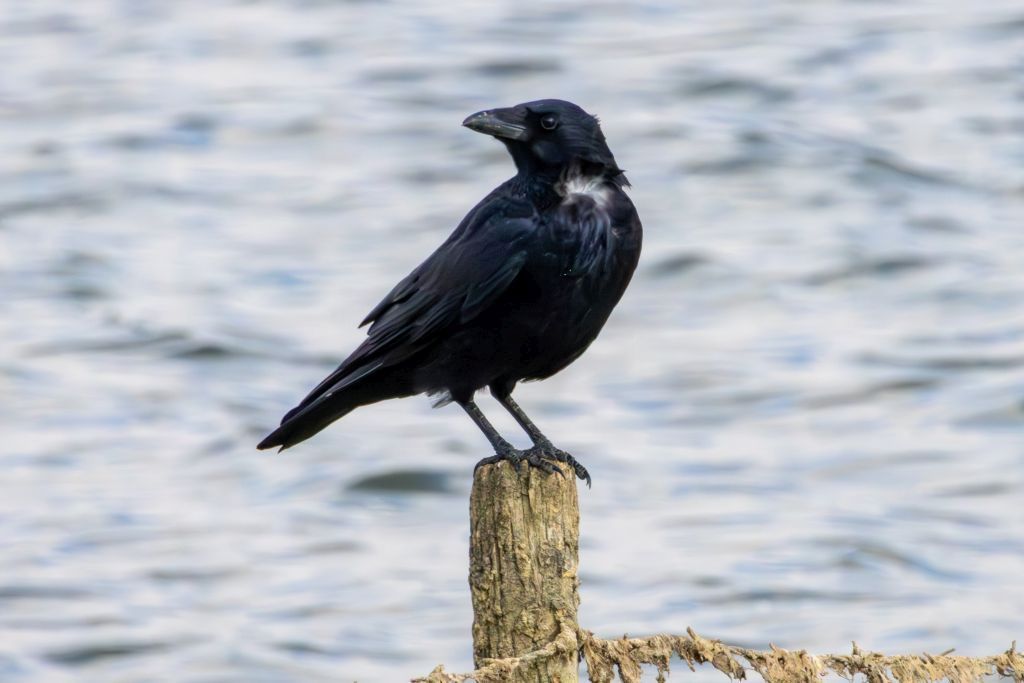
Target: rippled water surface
805, 421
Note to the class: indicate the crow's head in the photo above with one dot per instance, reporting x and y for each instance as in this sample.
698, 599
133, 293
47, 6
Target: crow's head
548, 138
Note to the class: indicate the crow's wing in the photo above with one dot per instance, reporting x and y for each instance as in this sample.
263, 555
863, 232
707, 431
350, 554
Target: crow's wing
454, 285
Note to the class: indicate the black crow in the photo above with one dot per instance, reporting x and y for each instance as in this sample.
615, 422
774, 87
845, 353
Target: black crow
517, 292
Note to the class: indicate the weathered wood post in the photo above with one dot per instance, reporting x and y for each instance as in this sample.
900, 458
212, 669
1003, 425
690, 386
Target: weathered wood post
524, 555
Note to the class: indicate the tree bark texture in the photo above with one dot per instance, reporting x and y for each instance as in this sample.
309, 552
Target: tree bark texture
524, 556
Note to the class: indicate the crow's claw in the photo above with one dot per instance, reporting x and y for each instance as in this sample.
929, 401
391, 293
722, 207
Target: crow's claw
505, 452
488, 461
542, 463
543, 456
547, 451
532, 457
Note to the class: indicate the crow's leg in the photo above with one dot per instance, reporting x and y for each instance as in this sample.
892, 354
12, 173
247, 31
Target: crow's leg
542, 445
503, 450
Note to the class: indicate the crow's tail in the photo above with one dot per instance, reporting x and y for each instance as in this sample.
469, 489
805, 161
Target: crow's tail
330, 402
303, 422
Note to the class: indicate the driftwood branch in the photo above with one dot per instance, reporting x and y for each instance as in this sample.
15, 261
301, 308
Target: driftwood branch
624, 656
524, 554
776, 665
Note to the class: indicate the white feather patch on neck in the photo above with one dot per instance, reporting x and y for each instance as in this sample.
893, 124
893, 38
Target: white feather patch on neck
589, 186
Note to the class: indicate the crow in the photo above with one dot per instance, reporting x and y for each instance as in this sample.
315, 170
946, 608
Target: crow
517, 292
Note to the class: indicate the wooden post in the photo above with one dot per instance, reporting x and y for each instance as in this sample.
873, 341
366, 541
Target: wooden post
524, 555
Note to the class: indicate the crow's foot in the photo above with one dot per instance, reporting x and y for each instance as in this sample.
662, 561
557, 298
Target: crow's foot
517, 458
547, 451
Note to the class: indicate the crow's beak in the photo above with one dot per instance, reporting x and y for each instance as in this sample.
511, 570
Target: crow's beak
501, 123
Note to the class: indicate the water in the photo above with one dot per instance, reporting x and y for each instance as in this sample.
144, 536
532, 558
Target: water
804, 421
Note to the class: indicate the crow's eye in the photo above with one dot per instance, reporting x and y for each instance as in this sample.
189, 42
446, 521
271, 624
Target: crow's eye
549, 122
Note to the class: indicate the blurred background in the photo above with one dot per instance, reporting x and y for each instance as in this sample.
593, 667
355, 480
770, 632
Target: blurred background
805, 421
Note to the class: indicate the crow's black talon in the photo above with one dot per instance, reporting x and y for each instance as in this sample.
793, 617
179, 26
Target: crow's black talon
543, 456
548, 454
516, 457
541, 463
580, 470
548, 451
490, 460
584, 475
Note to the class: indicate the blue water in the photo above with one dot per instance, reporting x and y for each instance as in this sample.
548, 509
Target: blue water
805, 421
